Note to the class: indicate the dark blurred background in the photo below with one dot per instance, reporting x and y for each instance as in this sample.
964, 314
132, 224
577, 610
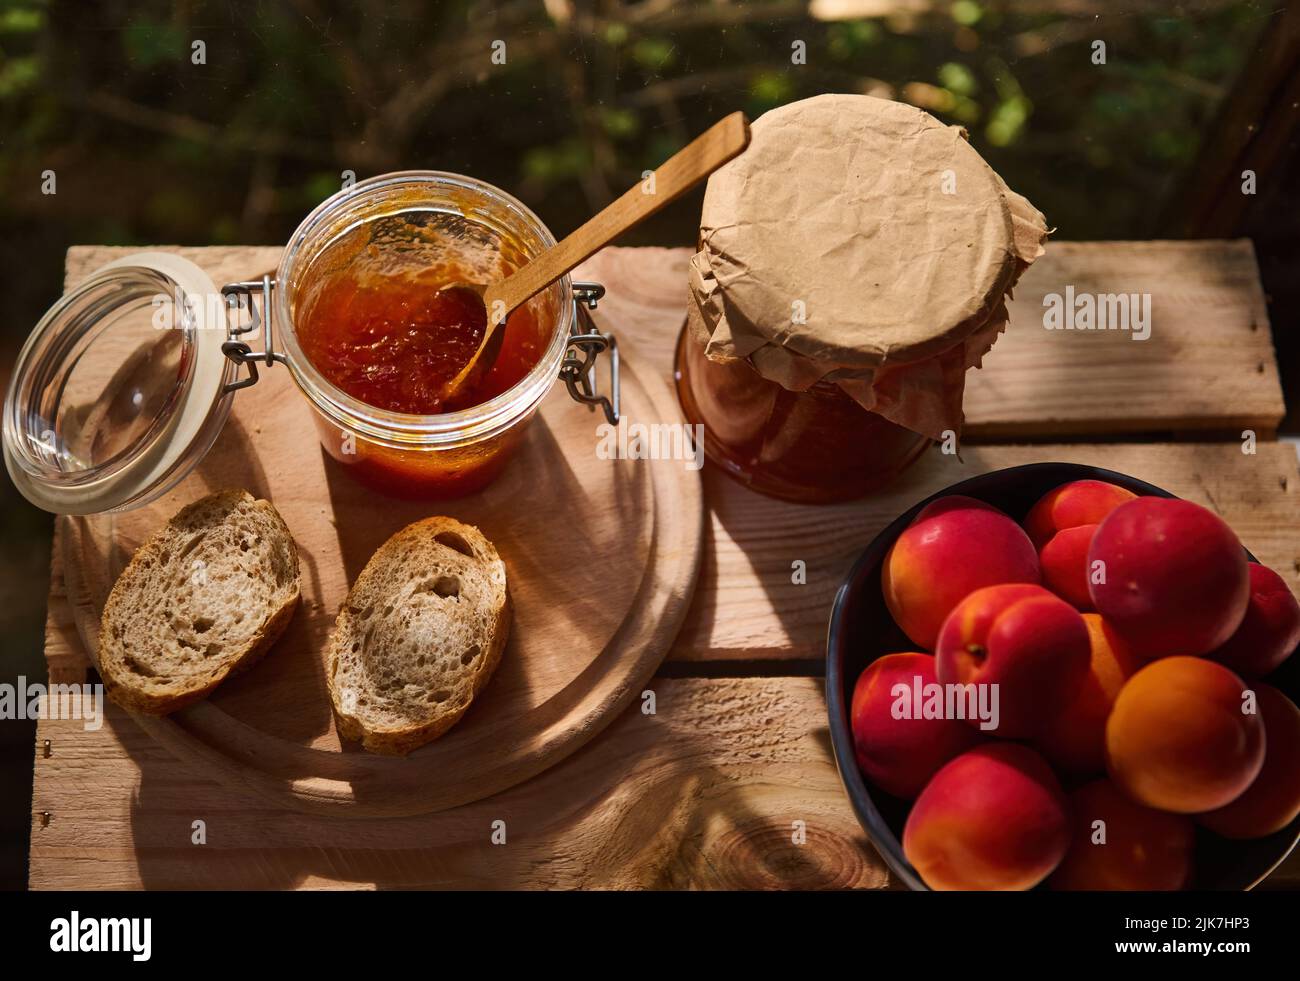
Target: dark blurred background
149, 147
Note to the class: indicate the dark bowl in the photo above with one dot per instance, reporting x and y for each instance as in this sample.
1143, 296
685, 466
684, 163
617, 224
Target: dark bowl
862, 630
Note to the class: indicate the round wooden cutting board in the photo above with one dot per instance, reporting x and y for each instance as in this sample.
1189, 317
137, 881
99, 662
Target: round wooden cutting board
601, 555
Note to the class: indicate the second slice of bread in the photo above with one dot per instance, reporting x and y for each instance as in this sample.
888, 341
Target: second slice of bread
418, 637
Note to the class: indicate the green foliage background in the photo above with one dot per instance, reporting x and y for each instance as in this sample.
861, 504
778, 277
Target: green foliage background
150, 147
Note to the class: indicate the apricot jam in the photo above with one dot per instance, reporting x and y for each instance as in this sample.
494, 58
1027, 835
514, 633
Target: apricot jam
393, 341
817, 446
370, 342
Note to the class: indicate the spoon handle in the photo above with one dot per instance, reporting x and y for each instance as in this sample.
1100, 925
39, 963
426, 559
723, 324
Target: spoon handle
677, 175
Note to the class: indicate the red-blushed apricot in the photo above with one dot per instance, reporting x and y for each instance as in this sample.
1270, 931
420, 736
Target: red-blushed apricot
1080, 502
1269, 631
1179, 737
898, 748
1273, 800
956, 545
1064, 561
993, 818
1173, 577
1116, 844
1074, 740
1032, 645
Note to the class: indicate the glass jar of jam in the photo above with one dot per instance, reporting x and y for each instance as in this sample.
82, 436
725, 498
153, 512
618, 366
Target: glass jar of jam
815, 447
369, 338
851, 266
126, 382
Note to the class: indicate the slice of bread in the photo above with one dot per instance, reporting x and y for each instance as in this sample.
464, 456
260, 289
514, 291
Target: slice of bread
204, 597
418, 636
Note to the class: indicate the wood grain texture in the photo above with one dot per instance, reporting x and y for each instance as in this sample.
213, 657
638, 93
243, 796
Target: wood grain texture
748, 608
703, 794
65, 655
1208, 365
601, 554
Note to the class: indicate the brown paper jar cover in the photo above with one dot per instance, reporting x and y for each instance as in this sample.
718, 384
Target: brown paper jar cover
860, 242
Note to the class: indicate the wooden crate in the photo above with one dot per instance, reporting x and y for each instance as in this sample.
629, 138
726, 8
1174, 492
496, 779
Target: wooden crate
705, 793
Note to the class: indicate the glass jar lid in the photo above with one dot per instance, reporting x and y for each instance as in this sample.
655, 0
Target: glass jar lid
120, 389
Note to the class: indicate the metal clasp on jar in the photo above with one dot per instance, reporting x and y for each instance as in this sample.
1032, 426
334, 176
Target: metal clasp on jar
578, 369
237, 350
585, 346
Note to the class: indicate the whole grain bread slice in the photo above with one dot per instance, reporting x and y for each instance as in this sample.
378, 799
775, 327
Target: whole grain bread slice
203, 598
419, 635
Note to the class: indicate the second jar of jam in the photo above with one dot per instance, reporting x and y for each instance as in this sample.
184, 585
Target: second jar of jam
852, 265
816, 446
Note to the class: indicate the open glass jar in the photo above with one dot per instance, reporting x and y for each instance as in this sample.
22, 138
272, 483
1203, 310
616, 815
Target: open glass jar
127, 381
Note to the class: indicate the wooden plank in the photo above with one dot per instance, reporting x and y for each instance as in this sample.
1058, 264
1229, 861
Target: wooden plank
65, 656
1208, 364
703, 794
746, 606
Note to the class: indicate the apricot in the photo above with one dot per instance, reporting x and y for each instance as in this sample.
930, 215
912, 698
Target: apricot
1075, 738
955, 546
1173, 578
1064, 562
1179, 738
897, 747
1032, 645
1080, 502
1269, 631
1273, 800
993, 818
1119, 845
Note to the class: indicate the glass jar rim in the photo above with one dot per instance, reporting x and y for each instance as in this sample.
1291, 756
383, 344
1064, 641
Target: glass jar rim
399, 429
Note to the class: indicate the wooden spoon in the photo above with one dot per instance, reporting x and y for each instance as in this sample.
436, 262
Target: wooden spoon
686, 168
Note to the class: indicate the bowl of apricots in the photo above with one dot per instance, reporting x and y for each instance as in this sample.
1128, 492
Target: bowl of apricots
1057, 676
